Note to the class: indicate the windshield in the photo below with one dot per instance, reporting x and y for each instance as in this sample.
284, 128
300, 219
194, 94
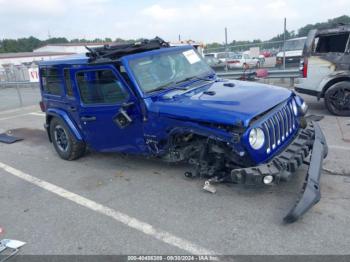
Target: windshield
296, 44
158, 71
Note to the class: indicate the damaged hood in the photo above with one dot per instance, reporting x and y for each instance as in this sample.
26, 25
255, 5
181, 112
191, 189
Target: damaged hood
218, 102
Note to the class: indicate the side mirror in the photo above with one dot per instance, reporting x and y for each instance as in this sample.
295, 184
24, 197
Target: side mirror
122, 118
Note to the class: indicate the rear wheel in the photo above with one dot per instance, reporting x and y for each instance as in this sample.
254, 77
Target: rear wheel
337, 99
66, 145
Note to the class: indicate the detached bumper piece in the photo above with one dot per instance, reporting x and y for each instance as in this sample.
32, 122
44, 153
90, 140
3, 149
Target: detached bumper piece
310, 139
310, 193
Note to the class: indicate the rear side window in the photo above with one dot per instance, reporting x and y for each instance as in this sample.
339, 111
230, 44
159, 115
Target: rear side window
100, 87
51, 81
68, 83
331, 43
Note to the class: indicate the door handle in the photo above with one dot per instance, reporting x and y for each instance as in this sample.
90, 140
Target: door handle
72, 108
88, 118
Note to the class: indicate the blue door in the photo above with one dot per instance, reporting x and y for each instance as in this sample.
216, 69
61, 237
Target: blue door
107, 112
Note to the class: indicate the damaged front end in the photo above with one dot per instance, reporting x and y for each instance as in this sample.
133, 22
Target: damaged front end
309, 142
291, 141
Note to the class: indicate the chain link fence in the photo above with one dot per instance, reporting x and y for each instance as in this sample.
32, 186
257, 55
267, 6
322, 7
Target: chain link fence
272, 46
264, 51
16, 88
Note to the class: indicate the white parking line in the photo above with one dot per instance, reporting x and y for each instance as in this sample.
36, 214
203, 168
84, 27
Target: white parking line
125, 219
339, 147
12, 117
20, 115
37, 114
32, 107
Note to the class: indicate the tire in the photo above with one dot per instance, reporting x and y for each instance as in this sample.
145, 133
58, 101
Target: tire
66, 145
337, 99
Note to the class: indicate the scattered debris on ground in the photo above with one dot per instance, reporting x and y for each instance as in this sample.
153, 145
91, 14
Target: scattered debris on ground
9, 248
8, 139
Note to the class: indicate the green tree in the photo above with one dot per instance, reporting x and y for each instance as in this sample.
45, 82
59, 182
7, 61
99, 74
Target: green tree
56, 40
344, 19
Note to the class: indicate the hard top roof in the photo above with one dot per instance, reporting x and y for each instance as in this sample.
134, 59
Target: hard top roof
110, 53
338, 29
76, 59
83, 59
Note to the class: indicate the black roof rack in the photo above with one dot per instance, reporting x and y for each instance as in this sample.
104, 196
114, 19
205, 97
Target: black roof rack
109, 53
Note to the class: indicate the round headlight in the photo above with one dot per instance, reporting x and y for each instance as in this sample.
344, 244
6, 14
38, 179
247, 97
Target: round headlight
304, 108
295, 107
256, 138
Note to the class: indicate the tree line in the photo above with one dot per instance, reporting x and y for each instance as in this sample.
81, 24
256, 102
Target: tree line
31, 43
303, 31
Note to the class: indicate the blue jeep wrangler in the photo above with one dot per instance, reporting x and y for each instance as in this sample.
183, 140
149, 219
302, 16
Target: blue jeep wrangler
152, 99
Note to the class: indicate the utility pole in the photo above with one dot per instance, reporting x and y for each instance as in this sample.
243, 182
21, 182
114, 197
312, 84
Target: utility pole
226, 48
284, 44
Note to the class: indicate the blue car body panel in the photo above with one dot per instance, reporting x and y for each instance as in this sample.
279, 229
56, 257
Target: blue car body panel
65, 117
208, 122
171, 110
227, 105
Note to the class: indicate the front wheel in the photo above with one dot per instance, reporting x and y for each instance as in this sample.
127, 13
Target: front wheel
66, 145
337, 99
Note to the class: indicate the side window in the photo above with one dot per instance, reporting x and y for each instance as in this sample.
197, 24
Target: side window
100, 87
331, 43
51, 81
68, 83
124, 74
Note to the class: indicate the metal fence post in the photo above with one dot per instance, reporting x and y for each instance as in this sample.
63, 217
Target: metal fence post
19, 95
226, 49
18, 90
284, 44
291, 83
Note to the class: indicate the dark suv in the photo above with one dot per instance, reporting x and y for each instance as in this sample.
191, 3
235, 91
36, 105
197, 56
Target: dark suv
152, 99
325, 68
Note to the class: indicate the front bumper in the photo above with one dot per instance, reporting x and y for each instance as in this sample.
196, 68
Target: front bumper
309, 140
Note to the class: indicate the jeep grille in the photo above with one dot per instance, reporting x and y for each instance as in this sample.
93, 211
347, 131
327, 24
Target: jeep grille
279, 126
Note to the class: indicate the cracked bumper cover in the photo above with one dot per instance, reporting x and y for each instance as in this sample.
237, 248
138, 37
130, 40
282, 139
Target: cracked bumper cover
309, 140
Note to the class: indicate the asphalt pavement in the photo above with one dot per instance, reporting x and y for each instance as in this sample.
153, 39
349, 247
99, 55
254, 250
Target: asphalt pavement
119, 204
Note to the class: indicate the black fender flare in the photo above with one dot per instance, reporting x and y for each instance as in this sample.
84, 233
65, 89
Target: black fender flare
54, 112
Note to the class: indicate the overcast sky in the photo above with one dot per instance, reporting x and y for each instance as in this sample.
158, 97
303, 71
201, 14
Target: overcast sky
202, 20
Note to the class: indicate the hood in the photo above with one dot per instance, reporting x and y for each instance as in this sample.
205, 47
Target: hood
218, 102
